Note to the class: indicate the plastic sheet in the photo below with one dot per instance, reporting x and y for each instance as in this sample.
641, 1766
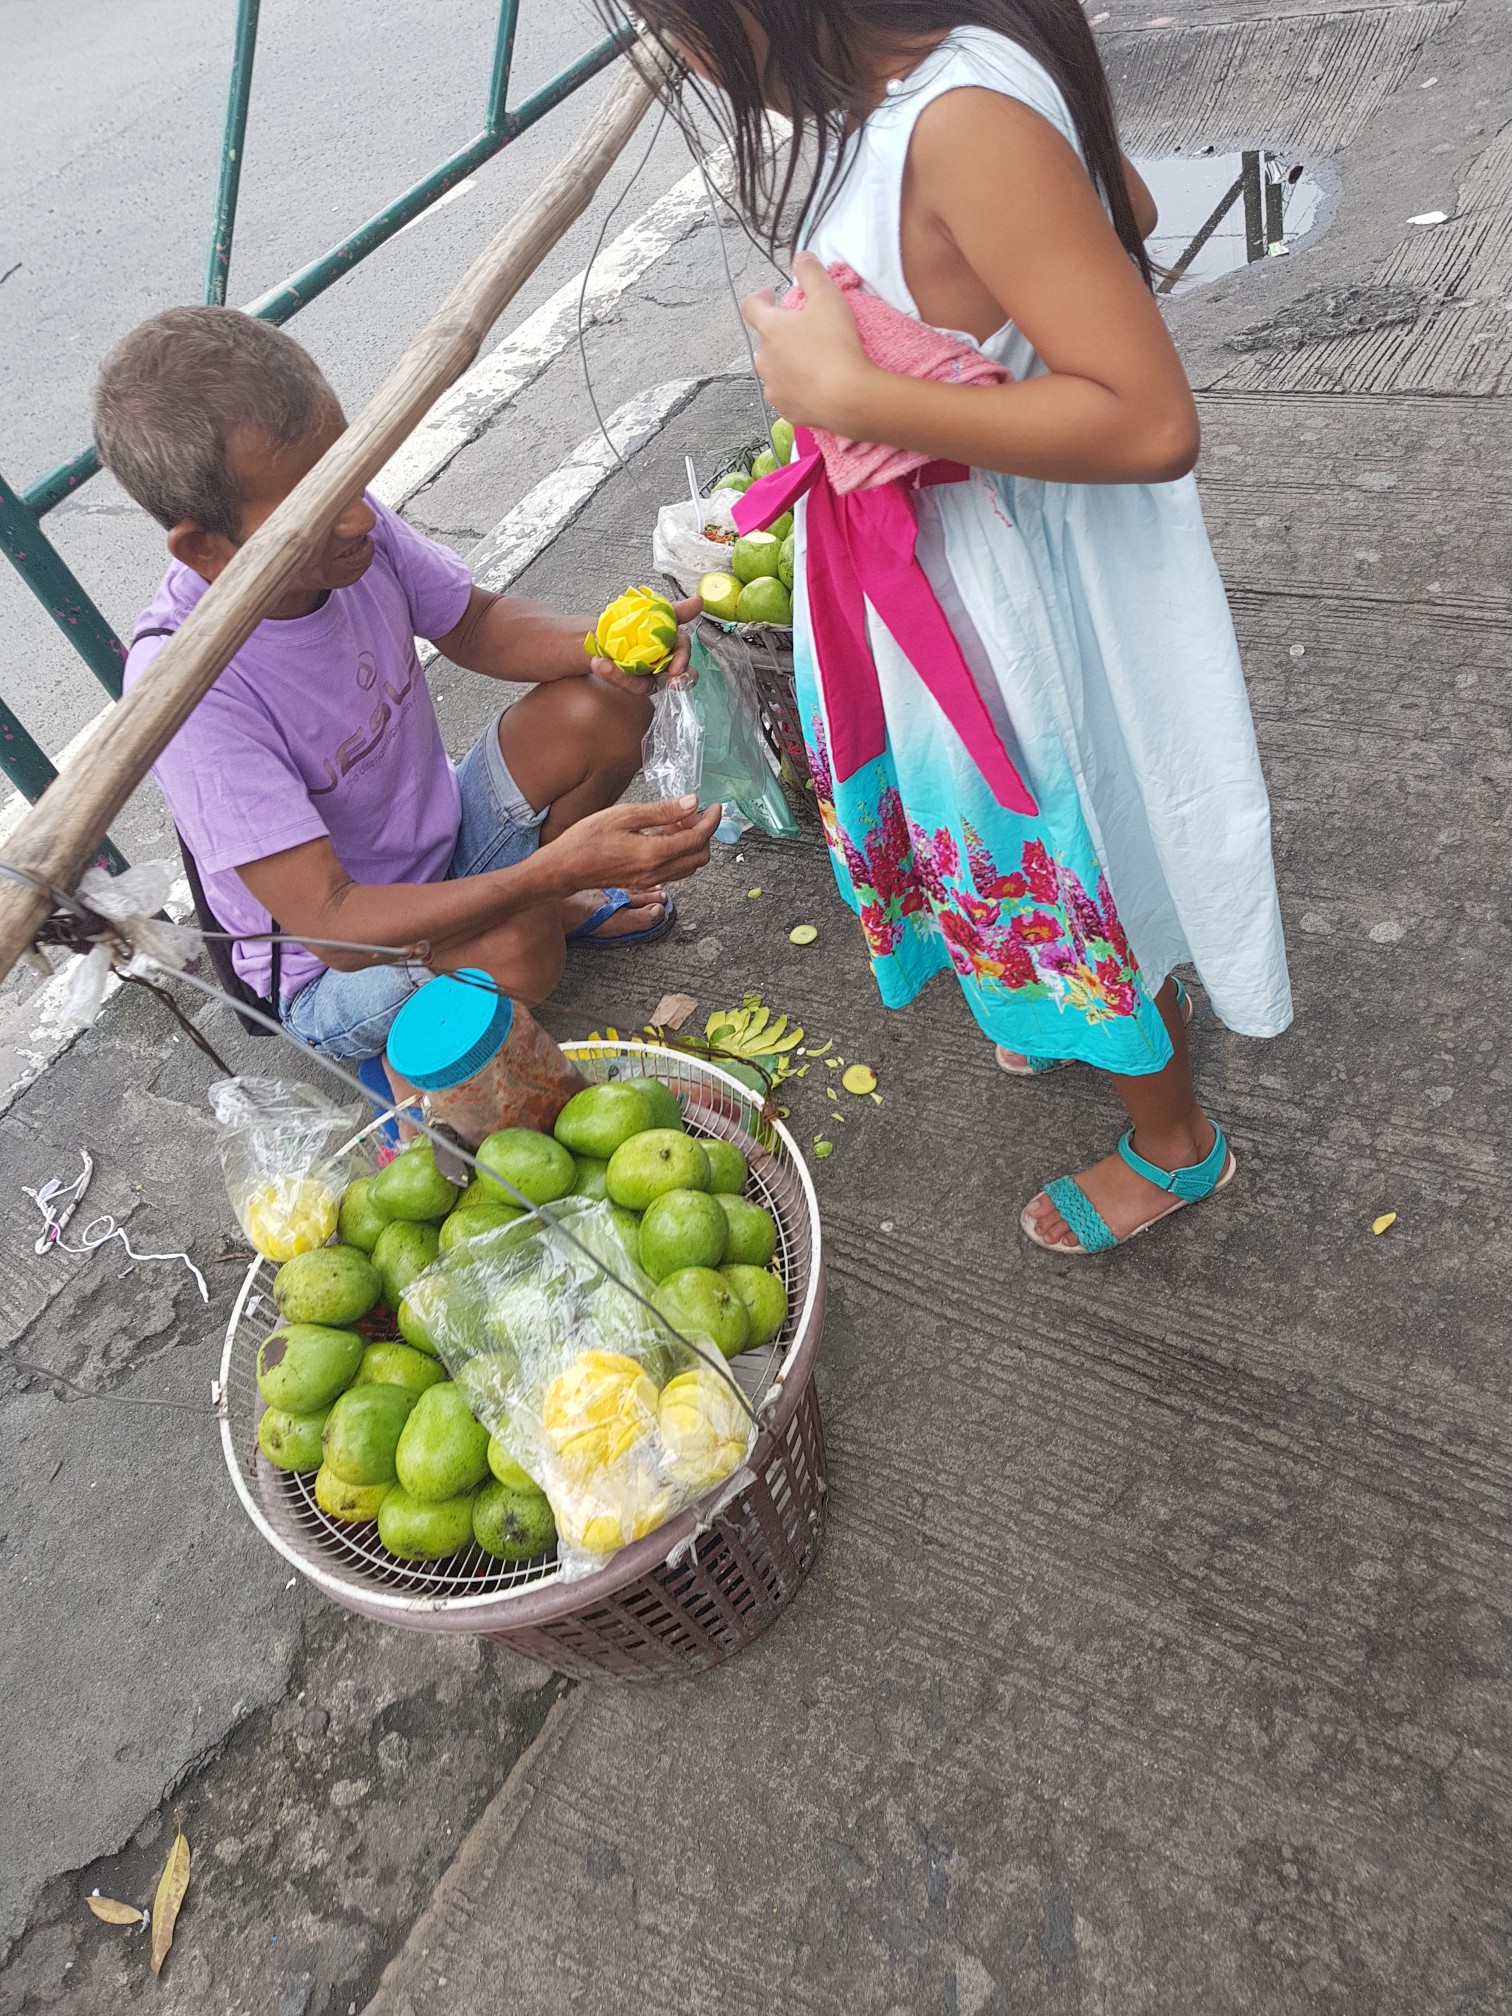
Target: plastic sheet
620, 1421
672, 754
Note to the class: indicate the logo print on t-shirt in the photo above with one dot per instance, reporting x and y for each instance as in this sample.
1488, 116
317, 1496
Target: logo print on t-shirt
363, 741
367, 670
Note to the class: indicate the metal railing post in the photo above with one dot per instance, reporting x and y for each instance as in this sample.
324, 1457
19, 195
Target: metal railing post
498, 83
232, 148
44, 570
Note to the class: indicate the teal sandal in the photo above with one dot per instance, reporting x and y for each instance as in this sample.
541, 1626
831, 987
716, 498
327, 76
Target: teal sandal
1036, 1067
1187, 1186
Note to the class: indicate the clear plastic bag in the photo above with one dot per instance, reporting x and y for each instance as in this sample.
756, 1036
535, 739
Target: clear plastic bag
287, 1152
672, 753
680, 545
621, 1421
736, 772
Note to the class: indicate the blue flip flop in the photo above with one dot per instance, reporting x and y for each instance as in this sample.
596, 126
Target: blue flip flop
616, 900
1036, 1067
1187, 1186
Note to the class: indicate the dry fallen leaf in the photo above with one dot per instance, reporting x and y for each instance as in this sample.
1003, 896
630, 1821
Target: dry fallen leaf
113, 1912
1384, 1223
673, 1010
169, 1900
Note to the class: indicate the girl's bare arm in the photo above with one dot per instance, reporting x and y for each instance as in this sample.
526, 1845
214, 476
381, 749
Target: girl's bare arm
1114, 406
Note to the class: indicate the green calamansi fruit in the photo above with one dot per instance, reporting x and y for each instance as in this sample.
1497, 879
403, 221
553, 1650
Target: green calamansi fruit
290, 1441
539, 1167
765, 602
390, 1364
601, 1118
666, 1107
505, 1468
413, 1188
728, 1169
362, 1432
360, 1220
511, 1524
719, 592
404, 1250
698, 1302
443, 1451
418, 1529
334, 1285
765, 1301
475, 1221
592, 1179
782, 440
765, 464
753, 1232
785, 562
682, 1228
350, 1503
303, 1366
754, 557
660, 1159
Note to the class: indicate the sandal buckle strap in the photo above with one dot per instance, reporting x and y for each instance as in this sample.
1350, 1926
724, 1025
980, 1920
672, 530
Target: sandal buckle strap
1192, 1184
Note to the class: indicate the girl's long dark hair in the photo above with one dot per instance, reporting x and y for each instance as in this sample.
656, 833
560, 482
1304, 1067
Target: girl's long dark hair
818, 72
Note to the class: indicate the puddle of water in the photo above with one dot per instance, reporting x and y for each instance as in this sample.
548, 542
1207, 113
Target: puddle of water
1222, 211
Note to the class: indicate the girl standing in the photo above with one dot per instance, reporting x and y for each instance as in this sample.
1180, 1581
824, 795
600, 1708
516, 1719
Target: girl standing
966, 167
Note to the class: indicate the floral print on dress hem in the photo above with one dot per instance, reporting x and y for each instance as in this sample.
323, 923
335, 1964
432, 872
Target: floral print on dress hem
1032, 934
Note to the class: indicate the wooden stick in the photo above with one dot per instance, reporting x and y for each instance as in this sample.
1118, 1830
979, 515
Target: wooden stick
62, 830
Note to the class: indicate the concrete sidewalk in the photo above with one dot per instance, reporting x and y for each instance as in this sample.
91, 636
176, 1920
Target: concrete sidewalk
1155, 1660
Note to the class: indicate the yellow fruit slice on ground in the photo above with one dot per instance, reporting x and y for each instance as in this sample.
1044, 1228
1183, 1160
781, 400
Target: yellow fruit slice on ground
803, 934
860, 1079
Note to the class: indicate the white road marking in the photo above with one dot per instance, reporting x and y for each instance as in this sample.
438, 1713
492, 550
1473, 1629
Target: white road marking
481, 394
457, 189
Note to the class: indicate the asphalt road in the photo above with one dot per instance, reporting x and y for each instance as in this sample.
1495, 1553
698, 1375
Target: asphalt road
109, 150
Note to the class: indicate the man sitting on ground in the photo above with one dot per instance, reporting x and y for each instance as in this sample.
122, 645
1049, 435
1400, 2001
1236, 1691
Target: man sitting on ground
310, 784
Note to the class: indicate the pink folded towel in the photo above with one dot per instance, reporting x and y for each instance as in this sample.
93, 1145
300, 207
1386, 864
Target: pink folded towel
894, 342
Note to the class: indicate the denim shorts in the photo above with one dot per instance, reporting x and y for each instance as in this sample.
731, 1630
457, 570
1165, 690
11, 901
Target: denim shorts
348, 1015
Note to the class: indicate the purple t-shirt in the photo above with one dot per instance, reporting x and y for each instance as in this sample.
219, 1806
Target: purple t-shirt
319, 727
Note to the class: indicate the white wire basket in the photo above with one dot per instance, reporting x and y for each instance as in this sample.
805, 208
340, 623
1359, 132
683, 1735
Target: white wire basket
473, 1591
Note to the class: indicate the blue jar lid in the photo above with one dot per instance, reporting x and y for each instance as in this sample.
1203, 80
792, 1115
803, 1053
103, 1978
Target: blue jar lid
448, 1030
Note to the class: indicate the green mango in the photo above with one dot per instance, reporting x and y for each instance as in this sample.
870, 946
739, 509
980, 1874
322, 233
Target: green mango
682, 1228
360, 1221
301, 1367
477, 1218
442, 1451
764, 1297
666, 1107
601, 1118
291, 1441
391, 1364
425, 1529
412, 1187
512, 1524
660, 1159
729, 1171
534, 1164
505, 1468
485, 1381
334, 1285
753, 1232
416, 1332
350, 1503
697, 1302
592, 1175
627, 1224
362, 1432
404, 1250
481, 1191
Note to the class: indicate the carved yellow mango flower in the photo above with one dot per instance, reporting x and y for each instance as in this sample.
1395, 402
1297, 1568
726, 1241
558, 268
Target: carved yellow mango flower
637, 632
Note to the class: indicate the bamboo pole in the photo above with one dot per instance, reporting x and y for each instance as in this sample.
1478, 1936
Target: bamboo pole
62, 831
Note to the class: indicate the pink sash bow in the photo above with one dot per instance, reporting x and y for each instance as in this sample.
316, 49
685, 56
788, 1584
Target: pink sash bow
860, 548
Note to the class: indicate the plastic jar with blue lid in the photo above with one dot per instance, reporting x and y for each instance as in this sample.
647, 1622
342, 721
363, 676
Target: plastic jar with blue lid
481, 1060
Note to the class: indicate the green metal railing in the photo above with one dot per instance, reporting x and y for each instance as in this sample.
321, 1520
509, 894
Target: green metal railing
22, 760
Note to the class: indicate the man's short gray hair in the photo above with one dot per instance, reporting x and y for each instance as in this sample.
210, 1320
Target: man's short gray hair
172, 393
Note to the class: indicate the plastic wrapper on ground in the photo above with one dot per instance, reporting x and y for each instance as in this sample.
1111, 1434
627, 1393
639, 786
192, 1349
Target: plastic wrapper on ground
548, 1329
